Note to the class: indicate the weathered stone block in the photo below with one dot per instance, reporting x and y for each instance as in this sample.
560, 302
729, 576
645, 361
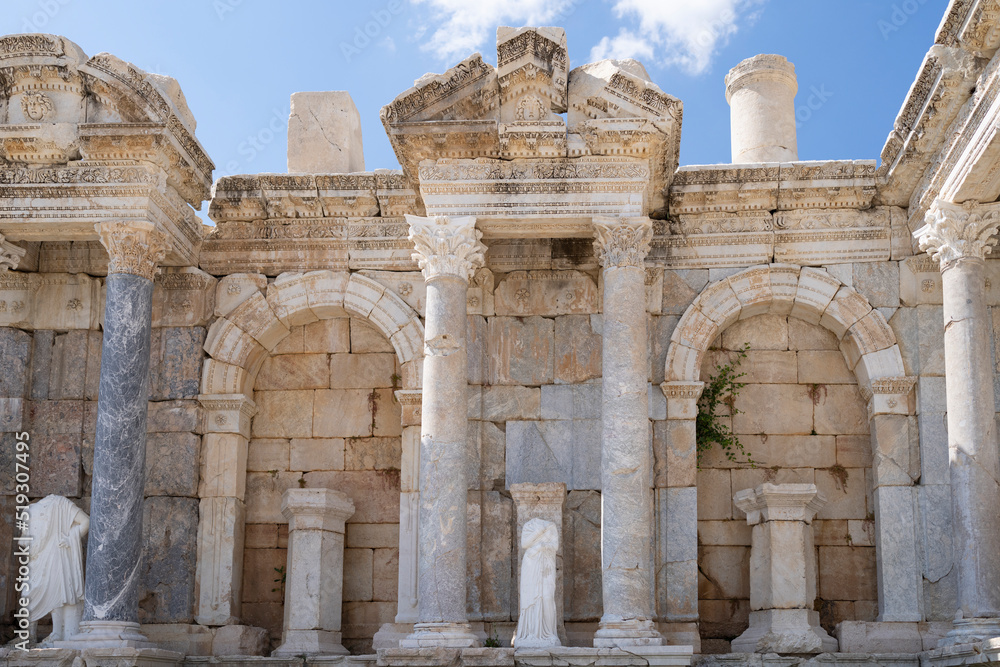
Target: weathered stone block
674, 453
286, 414
803, 335
371, 454
824, 367
546, 293
263, 495
41, 363
847, 573
760, 366
715, 494
385, 574
659, 330
497, 522
878, 282
176, 356
356, 371
240, 640
724, 533
723, 572
357, 574
223, 462
173, 417
15, 355
565, 451
763, 332
680, 288
581, 401
840, 410
260, 536
170, 531
521, 350
376, 536
578, 350
294, 371
267, 454
477, 349
365, 338
845, 492
172, 462
310, 454
854, 451
324, 134
502, 403
67, 380
582, 556
261, 580
775, 409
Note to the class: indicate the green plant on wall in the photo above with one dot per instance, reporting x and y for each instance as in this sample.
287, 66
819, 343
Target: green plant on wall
721, 390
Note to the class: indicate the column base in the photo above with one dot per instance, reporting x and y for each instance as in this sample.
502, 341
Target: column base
971, 630
310, 642
106, 634
784, 631
633, 632
441, 635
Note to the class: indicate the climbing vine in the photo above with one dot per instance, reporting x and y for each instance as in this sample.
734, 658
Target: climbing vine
721, 390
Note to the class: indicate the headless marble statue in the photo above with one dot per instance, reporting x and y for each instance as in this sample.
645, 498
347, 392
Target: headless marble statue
537, 624
57, 528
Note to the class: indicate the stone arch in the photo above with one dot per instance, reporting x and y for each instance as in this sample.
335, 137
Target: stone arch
812, 295
872, 354
238, 343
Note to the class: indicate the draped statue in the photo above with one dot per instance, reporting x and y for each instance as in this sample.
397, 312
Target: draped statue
57, 529
537, 623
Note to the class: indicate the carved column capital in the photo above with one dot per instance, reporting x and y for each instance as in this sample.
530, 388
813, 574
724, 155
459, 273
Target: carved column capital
134, 246
10, 255
622, 241
958, 231
447, 246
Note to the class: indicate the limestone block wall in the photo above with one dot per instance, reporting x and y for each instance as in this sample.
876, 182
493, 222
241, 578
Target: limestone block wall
327, 418
49, 377
801, 419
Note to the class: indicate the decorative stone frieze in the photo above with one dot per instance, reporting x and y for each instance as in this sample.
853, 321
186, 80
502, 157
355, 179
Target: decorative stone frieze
134, 247
622, 242
446, 246
954, 232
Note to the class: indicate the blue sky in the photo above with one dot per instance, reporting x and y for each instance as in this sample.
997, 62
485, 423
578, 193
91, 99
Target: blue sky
239, 60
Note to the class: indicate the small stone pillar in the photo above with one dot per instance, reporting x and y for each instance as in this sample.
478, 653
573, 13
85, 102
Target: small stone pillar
539, 501
782, 571
114, 546
621, 246
324, 134
314, 574
958, 236
448, 252
761, 95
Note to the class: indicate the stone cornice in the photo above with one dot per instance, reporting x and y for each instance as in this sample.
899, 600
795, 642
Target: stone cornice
134, 247
622, 242
447, 247
954, 232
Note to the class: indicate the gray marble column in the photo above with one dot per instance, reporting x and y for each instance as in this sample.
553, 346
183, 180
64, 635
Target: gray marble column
621, 246
114, 546
958, 236
448, 251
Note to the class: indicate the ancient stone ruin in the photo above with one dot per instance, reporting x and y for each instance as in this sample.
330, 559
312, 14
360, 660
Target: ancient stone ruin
314, 432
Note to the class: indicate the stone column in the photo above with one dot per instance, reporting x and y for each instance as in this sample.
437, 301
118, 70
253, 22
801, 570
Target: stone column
782, 571
900, 580
448, 251
114, 546
675, 494
761, 95
539, 501
958, 236
621, 246
314, 574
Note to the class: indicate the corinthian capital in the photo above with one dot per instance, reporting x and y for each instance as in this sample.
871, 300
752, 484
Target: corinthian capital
10, 255
134, 246
958, 231
622, 241
446, 246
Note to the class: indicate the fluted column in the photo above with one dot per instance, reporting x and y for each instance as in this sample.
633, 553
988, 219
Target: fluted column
114, 546
958, 236
621, 246
448, 251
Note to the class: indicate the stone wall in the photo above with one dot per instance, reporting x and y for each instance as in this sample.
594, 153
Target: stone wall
327, 418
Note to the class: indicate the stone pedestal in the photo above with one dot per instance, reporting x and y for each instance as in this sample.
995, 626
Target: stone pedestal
761, 93
959, 238
782, 571
539, 501
114, 546
314, 575
621, 246
448, 251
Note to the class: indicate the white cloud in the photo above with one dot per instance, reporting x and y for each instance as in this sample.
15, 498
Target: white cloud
388, 44
682, 33
465, 26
